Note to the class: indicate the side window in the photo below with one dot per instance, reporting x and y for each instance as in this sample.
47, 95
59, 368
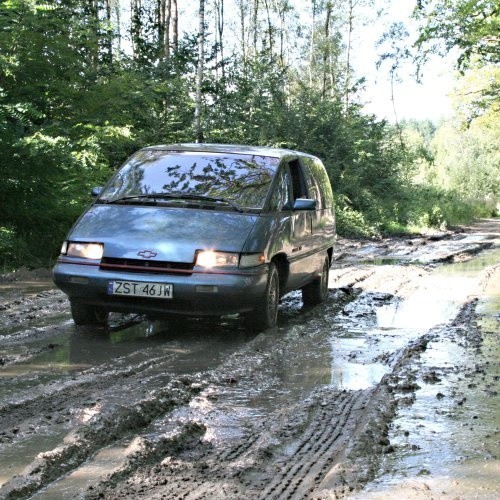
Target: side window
324, 183
319, 183
299, 189
281, 192
315, 191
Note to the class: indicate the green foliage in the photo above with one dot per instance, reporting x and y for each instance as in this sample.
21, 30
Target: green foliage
469, 25
456, 172
351, 222
14, 250
434, 207
478, 94
472, 27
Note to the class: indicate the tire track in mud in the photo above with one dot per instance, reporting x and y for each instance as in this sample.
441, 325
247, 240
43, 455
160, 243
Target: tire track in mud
17, 312
63, 394
293, 457
115, 422
48, 409
338, 432
286, 456
324, 439
152, 391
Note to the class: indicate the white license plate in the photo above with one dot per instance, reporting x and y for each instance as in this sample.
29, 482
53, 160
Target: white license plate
141, 289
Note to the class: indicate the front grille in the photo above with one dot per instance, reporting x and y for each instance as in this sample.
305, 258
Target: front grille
145, 266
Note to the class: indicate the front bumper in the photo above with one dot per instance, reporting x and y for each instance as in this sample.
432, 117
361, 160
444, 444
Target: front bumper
195, 294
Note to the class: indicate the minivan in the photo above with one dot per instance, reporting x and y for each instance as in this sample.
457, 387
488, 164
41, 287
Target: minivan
202, 229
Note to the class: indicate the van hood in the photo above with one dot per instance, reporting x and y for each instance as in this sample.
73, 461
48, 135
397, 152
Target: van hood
173, 234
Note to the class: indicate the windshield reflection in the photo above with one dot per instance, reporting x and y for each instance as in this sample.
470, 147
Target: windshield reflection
243, 179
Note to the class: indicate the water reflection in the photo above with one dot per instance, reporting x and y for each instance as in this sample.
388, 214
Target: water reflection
420, 311
196, 343
355, 376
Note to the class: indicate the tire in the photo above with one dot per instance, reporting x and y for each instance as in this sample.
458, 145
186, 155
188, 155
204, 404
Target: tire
84, 314
265, 314
316, 292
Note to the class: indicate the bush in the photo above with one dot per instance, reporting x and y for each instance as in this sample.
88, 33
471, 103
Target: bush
14, 251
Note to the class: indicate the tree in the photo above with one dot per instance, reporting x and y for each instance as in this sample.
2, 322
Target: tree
199, 73
472, 26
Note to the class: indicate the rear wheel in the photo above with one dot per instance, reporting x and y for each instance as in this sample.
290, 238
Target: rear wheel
84, 314
315, 292
265, 313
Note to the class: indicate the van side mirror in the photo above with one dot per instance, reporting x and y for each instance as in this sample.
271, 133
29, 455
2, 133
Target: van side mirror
96, 191
304, 204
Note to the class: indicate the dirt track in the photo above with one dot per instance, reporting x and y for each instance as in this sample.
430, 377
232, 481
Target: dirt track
388, 390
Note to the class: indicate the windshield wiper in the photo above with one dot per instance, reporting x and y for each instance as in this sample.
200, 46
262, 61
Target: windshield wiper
202, 197
175, 196
133, 197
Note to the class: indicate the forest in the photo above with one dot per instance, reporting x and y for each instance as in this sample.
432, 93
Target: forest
84, 83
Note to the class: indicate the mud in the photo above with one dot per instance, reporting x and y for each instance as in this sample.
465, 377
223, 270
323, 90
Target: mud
388, 389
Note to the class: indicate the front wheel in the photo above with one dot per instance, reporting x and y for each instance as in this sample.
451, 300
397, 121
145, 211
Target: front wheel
265, 314
315, 292
84, 314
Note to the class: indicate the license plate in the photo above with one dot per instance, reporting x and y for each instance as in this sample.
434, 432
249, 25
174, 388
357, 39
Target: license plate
141, 289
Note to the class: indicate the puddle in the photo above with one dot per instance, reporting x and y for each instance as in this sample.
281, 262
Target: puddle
472, 266
14, 459
433, 305
199, 346
458, 407
106, 461
72, 350
346, 355
27, 287
464, 418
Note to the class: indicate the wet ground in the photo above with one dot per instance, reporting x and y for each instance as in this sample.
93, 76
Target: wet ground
387, 390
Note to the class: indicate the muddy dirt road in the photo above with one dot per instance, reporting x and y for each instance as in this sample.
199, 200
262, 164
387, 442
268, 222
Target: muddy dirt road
387, 390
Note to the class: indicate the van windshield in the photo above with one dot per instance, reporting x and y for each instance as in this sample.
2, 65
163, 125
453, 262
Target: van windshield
240, 179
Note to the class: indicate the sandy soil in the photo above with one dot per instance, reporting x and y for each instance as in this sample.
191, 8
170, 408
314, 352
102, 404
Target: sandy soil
387, 390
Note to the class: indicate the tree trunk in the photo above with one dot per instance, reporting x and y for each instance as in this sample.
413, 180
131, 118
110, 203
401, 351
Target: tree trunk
243, 35
176, 26
199, 76
94, 49
350, 20
326, 48
118, 24
269, 28
219, 33
311, 45
255, 25
161, 27
168, 18
282, 14
136, 26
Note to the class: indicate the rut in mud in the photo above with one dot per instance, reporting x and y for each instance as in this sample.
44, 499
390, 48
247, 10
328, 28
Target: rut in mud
322, 406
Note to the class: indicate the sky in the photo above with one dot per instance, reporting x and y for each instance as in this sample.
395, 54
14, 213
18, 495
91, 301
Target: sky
420, 101
425, 100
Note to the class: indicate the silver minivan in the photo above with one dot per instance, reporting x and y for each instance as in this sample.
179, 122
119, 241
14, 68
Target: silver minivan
202, 229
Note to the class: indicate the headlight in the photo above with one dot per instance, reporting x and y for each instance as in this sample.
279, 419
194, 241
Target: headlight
85, 250
210, 258
252, 260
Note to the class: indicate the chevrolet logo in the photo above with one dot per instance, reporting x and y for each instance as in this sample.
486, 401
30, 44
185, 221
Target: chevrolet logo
147, 254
